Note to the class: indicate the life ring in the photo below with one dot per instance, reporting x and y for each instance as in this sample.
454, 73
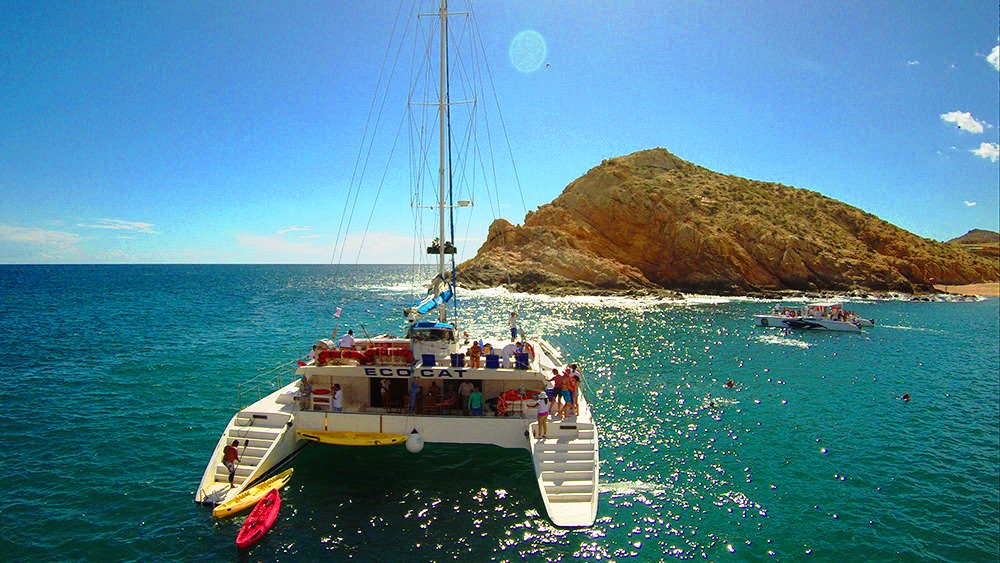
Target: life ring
402, 352
345, 353
527, 347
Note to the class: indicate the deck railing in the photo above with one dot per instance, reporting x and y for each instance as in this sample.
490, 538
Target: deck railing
265, 383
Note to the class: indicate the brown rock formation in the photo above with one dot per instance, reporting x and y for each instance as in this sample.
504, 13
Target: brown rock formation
651, 221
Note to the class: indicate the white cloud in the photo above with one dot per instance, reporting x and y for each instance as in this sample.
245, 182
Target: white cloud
280, 250
988, 150
963, 120
293, 228
121, 225
32, 235
970, 204
912, 63
994, 57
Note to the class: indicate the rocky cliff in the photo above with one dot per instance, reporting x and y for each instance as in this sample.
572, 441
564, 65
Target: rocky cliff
651, 221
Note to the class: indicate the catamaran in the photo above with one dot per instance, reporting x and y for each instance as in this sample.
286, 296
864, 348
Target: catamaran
412, 388
814, 316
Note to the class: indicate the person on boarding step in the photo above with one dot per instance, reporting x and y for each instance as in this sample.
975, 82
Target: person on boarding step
230, 457
347, 342
513, 326
543, 415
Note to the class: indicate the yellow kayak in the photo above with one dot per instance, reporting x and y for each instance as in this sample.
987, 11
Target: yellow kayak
351, 438
250, 496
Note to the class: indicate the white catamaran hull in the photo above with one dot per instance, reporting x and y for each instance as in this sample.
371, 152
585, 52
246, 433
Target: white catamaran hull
566, 464
805, 323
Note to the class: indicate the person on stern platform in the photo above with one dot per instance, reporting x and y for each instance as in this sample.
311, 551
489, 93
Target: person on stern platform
512, 321
543, 415
347, 342
230, 457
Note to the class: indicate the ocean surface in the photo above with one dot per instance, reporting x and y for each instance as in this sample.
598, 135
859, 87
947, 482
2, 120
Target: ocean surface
116, 382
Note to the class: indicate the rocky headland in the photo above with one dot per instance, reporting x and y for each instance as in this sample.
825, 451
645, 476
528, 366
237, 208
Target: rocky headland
651, 222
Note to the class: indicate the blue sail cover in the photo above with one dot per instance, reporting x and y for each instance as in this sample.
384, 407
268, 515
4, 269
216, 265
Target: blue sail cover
431, 302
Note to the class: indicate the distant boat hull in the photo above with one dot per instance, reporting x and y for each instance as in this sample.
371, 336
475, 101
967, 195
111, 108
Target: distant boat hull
805, 323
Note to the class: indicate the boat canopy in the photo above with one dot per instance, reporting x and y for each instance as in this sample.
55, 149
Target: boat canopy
427, 330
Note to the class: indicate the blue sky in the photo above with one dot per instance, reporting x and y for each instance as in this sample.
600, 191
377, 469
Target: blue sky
227, 132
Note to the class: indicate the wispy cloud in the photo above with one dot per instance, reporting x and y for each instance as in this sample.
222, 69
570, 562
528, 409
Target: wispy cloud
912, 63
121, 225
33, 235
963, 120
293, 228
970, 204
988, 150
994, 57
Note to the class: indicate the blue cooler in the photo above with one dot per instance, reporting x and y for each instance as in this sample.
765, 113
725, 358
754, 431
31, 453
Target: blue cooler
458, 360
427, 360
492, 361
521, 360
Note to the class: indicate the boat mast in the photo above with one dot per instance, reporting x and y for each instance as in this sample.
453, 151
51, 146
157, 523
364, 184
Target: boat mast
442, 114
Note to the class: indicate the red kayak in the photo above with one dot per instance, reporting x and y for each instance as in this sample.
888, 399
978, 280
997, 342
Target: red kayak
261, 519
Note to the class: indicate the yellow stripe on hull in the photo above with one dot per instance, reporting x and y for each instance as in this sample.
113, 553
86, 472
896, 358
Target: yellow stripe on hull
351, 438
249, 497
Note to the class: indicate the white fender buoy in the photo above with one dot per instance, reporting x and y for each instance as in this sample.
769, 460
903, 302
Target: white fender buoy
414, 442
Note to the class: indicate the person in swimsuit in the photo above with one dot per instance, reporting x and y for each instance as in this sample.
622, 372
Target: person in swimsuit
474, 352
230, 457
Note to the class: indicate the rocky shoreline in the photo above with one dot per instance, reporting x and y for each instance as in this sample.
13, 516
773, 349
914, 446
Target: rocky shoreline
651, 224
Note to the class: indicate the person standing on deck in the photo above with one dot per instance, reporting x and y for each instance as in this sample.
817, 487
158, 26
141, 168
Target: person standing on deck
474, 352
230, 457
513, 326
347, 342
464, 390
338, 398
385, 394
476, 402
415, 395
305, 393
543, 415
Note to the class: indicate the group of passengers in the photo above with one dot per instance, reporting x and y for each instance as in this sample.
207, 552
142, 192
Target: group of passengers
565, 388
306, 391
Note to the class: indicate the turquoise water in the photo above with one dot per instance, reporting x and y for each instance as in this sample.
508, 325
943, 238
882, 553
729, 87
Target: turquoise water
116, 382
